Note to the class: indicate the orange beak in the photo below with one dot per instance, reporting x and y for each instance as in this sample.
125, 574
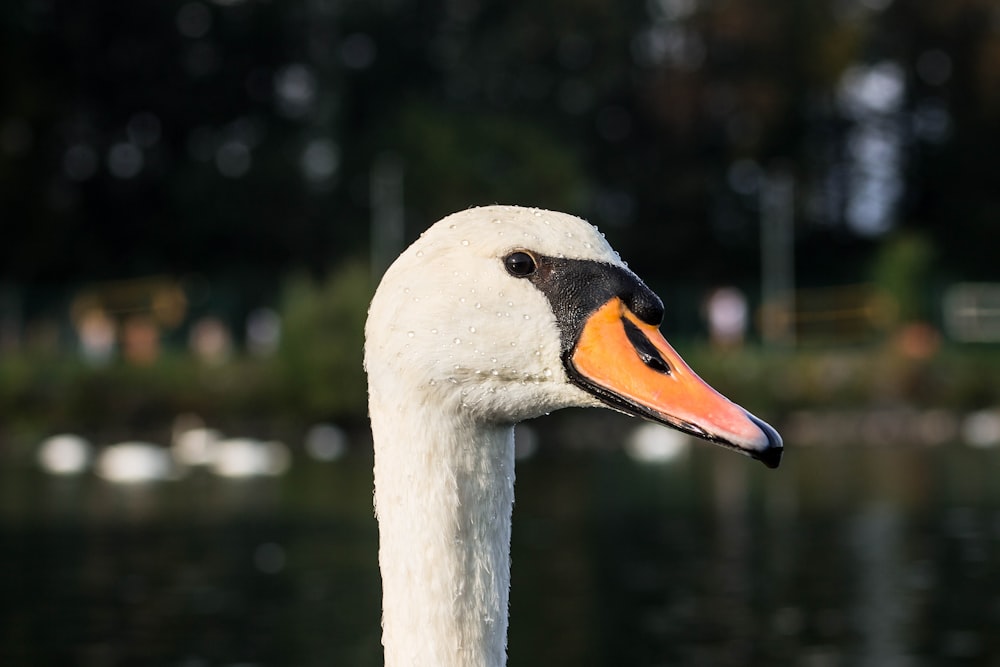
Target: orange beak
628, 364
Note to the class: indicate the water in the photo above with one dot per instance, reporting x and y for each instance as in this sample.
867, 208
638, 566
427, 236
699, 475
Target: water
844, 556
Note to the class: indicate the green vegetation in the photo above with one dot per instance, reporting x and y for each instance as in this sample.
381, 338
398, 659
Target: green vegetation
226, 149
237, 138
320, 360
317, 375
871, 376
511, 155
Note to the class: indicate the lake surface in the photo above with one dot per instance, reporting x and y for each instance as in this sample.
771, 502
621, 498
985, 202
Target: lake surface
844, 556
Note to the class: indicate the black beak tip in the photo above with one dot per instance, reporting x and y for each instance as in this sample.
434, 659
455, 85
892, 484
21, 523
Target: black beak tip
770, 455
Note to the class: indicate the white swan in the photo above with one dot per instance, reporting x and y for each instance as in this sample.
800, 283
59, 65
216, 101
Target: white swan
241, 458
65, 454
492, 316
135, 462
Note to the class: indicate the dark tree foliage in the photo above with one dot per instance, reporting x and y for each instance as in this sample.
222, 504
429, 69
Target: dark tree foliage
237, 138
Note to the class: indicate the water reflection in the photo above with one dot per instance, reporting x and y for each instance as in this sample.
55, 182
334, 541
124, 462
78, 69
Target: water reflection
845, 556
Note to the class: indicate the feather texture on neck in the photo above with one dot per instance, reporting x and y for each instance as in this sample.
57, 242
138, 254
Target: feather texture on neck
444, 497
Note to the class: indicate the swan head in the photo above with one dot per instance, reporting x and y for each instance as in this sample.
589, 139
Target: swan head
501, 313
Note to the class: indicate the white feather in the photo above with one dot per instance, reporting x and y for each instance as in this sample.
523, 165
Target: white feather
457, 351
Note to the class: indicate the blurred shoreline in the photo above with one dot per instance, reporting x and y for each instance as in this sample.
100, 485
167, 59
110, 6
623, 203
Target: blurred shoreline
873, 394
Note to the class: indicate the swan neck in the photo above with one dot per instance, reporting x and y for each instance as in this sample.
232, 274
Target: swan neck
444, 492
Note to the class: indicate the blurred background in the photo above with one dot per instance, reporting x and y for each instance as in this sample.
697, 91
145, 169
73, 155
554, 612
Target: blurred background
197, 199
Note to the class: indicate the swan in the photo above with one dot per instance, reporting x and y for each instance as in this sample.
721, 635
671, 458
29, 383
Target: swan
495, 315
195, 445
242, 458
65, 454
135, 462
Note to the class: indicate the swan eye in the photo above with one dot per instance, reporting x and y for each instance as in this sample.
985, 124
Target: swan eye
519, 264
